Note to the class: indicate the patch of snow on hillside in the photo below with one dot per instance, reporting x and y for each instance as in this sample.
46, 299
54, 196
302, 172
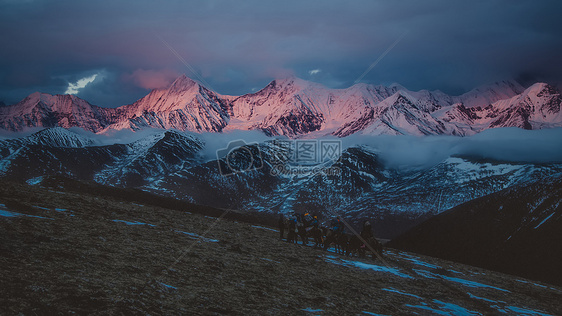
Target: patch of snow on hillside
197, 237
366, 266
401, 293
464, 282
34, 181
544, 220
132, 223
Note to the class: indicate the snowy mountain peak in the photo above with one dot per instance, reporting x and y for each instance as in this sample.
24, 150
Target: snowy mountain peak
289, 83
397, 86
289, 80
503, 86
60, 137
45, 110
488, 94
538, 94
401, 96
63, 103
294, 84
182, 83
185, 105
540, 88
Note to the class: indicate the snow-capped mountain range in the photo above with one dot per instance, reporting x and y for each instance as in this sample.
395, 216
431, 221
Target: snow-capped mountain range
298, 108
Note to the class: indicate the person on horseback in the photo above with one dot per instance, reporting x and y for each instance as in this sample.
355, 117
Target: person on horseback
314, 221
334, 224
301, 231
367, 231
337, 225
336, 229
316, 232
291, 234
370, 242
307, 220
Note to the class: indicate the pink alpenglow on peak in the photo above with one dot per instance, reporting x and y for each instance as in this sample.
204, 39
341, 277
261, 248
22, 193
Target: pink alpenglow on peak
298, 108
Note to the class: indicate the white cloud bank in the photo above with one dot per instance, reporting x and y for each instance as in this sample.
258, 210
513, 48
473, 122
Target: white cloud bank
73, 88
502, 144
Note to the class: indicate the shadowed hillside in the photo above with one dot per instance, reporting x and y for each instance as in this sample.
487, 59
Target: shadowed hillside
90, 250
516, 230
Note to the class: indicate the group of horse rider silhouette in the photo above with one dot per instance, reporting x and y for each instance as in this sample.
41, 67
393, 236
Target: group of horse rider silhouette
305, 226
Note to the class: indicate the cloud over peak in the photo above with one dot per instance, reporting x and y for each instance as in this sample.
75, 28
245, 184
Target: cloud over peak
74, 88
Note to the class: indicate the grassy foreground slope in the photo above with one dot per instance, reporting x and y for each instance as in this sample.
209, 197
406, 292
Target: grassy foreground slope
108, 251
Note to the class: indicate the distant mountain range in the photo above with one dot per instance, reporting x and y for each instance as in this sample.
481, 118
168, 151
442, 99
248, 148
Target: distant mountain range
171, 163
294, 108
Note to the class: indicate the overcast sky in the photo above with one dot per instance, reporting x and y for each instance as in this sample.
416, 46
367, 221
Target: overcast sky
113, 52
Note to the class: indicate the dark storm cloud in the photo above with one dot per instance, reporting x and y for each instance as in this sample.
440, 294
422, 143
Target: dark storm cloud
237, 46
